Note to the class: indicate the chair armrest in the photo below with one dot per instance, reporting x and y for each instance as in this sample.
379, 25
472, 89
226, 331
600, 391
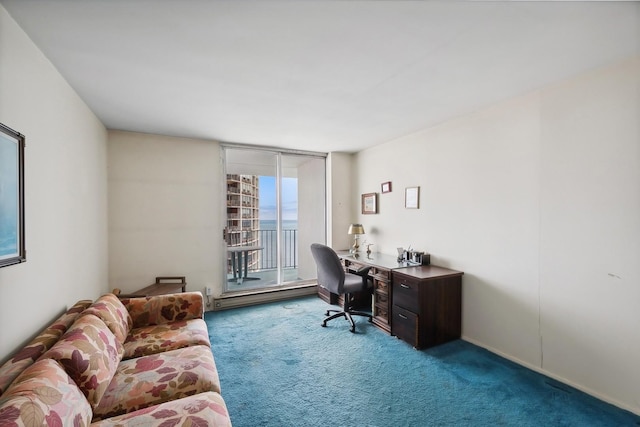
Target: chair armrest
362, 271
161, 309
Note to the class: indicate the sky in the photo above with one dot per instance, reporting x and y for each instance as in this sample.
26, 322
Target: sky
267, 188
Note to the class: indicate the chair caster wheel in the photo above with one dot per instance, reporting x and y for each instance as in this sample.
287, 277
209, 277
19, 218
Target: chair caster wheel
353, 330
324, 324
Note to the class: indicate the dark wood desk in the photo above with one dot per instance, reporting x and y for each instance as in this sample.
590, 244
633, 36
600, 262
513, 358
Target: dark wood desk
427, 305
380, 274
420, 304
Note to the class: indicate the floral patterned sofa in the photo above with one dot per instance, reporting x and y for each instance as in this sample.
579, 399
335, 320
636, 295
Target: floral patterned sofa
136, 361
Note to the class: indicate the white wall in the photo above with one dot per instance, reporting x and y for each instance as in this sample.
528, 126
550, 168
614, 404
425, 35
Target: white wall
590, 231
165, 211
537, 200
65, 192
311, 213
340, 187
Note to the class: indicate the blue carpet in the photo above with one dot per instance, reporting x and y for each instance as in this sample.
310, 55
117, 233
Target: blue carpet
279, 367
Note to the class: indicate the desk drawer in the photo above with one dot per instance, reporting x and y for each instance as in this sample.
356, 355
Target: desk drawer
405, 325
381, 313
406, 292
380, 286
379, 273
382, 298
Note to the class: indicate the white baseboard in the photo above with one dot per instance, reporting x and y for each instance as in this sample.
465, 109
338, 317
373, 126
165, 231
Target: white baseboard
242, 300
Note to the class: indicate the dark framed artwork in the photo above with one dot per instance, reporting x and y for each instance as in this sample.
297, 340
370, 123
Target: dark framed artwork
370, 203
12, 247
386, 187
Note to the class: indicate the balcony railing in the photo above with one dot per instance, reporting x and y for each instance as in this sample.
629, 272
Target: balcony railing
268, 259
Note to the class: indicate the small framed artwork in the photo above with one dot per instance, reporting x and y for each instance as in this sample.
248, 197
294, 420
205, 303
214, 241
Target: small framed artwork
370, 203
386, 187
412, 197
12, 248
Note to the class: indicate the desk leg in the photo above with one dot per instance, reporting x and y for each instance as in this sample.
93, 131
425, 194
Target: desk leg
240, 278
246, 263
234, 266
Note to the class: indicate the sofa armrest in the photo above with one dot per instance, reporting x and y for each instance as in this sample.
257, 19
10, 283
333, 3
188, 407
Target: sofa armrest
39, 345
161, 309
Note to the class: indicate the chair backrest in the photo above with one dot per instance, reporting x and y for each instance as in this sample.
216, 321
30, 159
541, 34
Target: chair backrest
330, 271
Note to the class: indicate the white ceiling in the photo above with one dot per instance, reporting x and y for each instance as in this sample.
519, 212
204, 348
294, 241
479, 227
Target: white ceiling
315, 75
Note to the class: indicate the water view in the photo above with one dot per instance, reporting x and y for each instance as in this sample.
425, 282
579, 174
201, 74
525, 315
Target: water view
271, 224
8, 197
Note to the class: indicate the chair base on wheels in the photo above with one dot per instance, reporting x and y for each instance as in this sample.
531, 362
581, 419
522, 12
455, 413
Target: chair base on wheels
347, 315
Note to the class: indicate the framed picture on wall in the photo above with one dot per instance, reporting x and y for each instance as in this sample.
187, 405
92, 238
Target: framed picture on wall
386, 187
412, 197
370, 203
12, 248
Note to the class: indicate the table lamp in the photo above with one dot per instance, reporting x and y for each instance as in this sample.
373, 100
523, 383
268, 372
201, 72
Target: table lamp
356, 230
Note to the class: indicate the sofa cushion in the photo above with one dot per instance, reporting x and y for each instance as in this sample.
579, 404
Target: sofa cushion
44, 394
154, 339
202, 409
109, 308
151, 380
10, 370
161, 309
89, 353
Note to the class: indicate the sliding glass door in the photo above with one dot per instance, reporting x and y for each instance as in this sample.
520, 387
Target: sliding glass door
275, 207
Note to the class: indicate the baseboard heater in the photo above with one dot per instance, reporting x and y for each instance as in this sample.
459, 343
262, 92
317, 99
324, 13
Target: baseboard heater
245, 299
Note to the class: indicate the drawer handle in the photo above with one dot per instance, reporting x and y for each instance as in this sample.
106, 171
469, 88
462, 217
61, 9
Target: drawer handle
402, 316
402, 285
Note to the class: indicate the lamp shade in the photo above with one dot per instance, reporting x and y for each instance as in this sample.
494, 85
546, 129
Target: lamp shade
356, 229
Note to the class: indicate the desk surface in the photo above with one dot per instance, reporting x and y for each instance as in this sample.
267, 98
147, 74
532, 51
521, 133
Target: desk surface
390, 262
429, 271
375, 259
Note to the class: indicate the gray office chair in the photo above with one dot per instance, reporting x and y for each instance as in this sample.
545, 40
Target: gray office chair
331, 276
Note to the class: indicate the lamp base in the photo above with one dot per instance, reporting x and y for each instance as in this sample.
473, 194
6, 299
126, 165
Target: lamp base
356, 246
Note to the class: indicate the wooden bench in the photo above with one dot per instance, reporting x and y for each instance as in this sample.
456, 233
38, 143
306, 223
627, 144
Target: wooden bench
162, 286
